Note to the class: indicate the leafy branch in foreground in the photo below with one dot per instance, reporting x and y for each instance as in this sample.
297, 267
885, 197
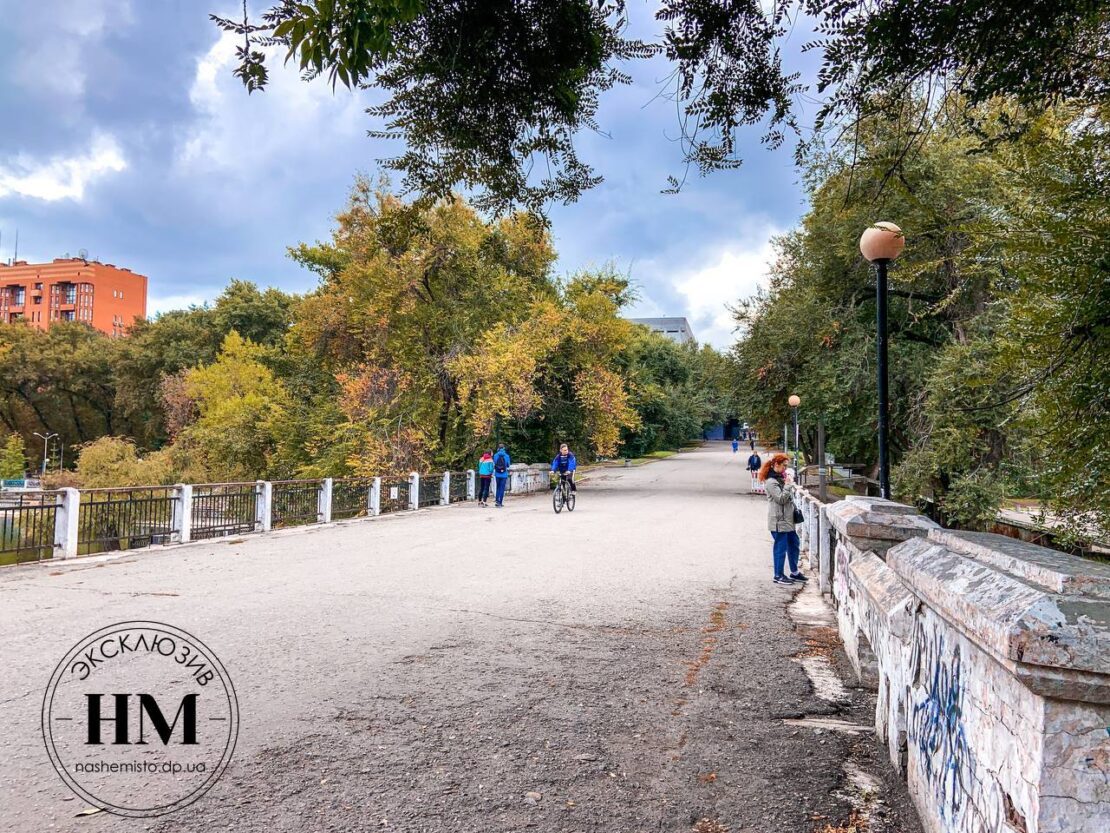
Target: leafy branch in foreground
488, 95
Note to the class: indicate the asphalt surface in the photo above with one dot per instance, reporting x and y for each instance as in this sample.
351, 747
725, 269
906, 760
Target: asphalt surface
625, 667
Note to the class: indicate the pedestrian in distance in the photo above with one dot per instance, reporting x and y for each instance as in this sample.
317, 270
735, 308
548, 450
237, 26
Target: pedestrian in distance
775, 475
735, 445
754, 464
485, 476
751, 442
501, 463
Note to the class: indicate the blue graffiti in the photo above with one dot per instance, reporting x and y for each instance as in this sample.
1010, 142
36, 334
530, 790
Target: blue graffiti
937, 725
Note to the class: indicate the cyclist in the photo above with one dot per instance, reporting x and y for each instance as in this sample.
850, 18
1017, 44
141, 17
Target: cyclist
564, 464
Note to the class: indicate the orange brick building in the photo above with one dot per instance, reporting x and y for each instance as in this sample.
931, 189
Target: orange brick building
101, 295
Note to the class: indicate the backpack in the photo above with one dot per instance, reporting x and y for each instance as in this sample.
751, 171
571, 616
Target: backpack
499, 464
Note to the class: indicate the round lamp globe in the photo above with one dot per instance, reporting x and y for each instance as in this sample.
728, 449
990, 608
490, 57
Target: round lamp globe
882, 241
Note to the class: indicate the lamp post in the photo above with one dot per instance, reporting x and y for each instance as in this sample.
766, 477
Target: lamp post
880, 244
795, 401
46, 438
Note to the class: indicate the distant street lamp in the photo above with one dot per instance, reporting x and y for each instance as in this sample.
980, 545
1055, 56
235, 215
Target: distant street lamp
46, 438
880, 244
795, 401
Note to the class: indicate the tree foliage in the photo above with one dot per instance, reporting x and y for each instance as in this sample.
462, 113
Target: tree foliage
490, 95
13, 461
998, 315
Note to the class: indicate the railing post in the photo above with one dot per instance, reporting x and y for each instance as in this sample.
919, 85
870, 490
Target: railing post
445, 489
375, 506
323, 509
65, 524
414, 490
824, 552
184, 513
470, 494
264, 505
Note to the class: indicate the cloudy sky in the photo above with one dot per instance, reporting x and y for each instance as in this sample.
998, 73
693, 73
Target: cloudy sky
125, 134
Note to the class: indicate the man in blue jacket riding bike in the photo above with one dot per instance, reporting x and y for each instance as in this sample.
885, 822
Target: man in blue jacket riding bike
564, 465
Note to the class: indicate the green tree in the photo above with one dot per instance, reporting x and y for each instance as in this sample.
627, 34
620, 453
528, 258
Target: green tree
13, 462
466, 121
242, 414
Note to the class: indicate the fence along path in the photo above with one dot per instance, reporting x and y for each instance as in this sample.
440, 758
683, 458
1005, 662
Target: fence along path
37, 525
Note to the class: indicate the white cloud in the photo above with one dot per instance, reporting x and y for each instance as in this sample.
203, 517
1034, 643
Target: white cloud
737, 272
61, 177
289, 120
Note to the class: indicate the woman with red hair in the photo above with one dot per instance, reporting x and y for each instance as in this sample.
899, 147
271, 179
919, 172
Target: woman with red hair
780, 519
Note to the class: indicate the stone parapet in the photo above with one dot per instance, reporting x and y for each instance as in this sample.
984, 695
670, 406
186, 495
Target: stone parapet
876, 524
991, 660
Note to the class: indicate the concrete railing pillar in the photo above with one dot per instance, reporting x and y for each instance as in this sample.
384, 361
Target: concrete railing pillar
813, 533
824, 553
470, 491
65, 524
184, 519
445, 489
414, 490
264, 505
323, 510
375, 504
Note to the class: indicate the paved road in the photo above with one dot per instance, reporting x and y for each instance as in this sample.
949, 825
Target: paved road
629, 663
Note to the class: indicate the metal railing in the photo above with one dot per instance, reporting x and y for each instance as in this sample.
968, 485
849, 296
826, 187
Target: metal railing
221, 509
457, 488
126, 518
350, 497
27, 526
430, 490
395, 494
65, 523
295, 503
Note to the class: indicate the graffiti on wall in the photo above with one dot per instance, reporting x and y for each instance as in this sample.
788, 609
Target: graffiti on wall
936, 726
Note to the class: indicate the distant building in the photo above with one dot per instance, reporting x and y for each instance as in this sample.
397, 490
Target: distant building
676, 329
101, 295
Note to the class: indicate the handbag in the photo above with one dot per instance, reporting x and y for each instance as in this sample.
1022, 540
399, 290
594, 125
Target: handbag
798, 516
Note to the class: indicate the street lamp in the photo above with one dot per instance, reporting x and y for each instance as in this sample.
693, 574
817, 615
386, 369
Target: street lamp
46, 438
795, 401
880, 244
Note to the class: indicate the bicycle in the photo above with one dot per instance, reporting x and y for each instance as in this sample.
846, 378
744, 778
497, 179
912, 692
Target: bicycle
563, 495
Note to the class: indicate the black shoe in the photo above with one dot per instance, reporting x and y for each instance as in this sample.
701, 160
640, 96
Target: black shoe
782, 580
798, 577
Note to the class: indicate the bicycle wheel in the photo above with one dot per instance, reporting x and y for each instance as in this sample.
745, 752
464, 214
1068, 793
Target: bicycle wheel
570, 500
557, 499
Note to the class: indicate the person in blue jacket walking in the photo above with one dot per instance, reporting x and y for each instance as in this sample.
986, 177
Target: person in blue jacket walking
564, 464
501, 463
485, 475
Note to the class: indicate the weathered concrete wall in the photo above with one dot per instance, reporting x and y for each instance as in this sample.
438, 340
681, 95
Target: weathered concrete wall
528, 477
991, 659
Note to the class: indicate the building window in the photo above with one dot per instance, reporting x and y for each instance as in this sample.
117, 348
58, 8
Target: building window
38, 287
68, 315
37, 299
20, 295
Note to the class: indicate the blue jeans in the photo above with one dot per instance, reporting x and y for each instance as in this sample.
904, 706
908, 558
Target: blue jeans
786, 545
502, 482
